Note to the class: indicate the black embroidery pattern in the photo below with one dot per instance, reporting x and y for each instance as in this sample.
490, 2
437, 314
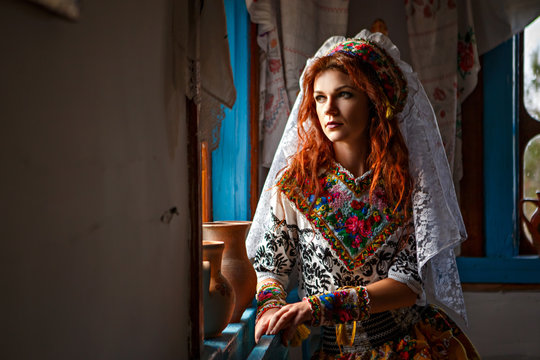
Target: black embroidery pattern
315, 264
406, 263
278, 252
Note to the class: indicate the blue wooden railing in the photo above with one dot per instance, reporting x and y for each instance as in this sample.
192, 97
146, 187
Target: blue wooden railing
237, 342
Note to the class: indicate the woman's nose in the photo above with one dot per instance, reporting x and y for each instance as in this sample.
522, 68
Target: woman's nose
330, 107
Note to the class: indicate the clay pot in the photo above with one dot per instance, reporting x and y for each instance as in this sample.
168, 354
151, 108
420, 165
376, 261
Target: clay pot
236, 266
218, 294
533, 225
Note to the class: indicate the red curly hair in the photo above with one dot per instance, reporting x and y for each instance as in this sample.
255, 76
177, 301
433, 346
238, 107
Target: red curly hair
388, 154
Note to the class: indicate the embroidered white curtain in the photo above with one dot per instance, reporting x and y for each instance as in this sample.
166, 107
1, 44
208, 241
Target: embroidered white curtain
445, 56
289, 32
445, 39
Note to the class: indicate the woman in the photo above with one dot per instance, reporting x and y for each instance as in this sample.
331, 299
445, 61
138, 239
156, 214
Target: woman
364, 209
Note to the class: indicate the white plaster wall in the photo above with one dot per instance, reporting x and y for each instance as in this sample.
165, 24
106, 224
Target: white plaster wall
92, 152
504, 325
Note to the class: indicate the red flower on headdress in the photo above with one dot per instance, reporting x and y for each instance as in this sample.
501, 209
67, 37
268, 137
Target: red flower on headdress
337, 48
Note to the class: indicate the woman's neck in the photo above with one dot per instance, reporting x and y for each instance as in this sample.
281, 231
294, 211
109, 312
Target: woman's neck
352, 157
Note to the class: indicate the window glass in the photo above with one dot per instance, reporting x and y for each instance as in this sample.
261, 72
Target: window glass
531, 176
531, 100
531, 69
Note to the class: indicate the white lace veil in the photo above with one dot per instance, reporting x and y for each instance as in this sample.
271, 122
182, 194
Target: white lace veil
437, 219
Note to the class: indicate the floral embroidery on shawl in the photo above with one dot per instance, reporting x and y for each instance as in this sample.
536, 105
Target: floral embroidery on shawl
354, 227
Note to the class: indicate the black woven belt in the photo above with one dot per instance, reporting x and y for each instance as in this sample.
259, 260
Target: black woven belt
371, 333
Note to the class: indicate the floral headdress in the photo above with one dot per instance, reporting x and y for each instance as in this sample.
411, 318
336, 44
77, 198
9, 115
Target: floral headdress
392, 83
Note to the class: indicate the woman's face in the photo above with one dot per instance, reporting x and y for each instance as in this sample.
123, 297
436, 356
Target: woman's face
343, 109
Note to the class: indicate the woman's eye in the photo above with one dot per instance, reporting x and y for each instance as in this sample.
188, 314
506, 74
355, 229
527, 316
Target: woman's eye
319, 98
345, 94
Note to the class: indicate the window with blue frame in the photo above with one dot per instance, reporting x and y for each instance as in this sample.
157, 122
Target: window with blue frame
502, 169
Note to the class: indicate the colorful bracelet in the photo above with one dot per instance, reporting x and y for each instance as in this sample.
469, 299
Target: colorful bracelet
364, 305
270, 295
341, 306
315, 304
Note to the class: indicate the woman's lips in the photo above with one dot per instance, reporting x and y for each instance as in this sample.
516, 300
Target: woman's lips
333, 124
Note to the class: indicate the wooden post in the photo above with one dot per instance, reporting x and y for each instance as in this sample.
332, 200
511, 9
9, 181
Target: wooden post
254, 118
206, 182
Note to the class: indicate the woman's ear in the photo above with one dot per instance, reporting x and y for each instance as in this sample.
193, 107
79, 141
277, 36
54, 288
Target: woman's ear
372, 125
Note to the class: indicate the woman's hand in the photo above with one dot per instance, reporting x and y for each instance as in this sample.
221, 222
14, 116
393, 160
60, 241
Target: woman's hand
287, 319
262, 325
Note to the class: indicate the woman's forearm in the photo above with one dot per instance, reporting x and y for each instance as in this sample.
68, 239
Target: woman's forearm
357, 303
390, 294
